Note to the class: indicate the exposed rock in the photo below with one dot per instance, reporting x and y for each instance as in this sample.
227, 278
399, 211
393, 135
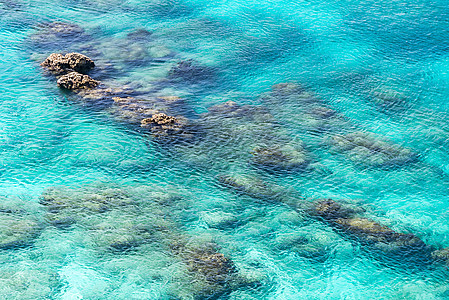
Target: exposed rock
59, 64
159, 119
368, 149
74, 81
79, 62
56, 63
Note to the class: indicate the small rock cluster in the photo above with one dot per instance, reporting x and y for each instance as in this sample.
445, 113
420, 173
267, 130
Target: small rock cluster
71, 71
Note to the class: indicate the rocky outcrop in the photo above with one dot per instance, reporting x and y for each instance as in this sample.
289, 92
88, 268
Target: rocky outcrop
74, 81
58, 64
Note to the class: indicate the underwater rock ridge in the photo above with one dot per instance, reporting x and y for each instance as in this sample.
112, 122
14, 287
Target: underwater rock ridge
348, 220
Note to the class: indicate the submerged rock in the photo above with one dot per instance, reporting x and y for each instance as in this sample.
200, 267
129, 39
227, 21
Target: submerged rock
252, 186
383, 238
303, 110
162, 125
59, 64
214, 266
441, 255
369, 150
329, 210
66, 206
61, 28
19, 281
371, 233
119, 232
74, 81
18, 227
220, 220
225, 108
390, 100
101, 93
17, 231
287, 88
213, 274
289, 92
191, 71
58, 35
280, 157
139, 34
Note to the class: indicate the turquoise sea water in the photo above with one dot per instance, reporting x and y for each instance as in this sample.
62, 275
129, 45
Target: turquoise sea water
353, 56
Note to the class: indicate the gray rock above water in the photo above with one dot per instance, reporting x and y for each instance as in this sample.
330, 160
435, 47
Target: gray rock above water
63, 64
74, 81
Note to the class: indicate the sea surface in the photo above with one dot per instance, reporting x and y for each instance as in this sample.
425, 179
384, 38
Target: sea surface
95, 204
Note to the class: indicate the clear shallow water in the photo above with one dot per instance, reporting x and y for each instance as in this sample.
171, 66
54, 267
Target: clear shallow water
343, 52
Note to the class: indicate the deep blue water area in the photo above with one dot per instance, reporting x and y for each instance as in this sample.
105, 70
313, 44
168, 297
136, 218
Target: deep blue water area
286, 103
